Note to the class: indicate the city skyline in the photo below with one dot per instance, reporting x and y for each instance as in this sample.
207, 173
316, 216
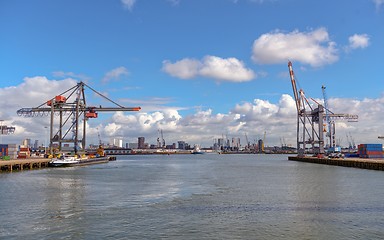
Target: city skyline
199, 70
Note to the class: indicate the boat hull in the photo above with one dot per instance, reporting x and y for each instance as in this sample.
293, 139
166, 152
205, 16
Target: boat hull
81, 162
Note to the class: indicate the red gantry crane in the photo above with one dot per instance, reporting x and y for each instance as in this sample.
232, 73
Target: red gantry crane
71, 108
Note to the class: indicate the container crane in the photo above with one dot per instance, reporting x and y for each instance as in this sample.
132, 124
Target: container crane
98, 136
310, 121
330, 119
5, 130
70, 115
160, 139
331, 124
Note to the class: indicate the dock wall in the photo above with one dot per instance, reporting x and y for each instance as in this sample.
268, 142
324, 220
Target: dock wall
372, 164
23, 164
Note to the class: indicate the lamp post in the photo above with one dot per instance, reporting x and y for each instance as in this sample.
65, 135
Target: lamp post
1, 133
45, 141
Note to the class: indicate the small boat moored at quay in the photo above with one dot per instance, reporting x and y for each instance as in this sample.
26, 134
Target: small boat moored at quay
69, 161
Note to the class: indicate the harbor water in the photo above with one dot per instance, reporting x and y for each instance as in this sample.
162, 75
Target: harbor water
205, 196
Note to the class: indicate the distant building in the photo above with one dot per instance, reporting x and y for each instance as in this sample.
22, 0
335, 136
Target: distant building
116, 142
27, 142
36, 144
173, 146
181, 145
235, 144
141, 143
260, 145
133, 145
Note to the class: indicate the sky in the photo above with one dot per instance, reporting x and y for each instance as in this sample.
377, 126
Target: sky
199, 70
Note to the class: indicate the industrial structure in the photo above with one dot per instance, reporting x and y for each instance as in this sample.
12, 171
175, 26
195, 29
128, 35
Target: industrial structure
312, 119
6, 130
72, 110
160, 139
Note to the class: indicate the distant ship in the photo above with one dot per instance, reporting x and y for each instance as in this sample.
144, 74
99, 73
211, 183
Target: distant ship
196, 150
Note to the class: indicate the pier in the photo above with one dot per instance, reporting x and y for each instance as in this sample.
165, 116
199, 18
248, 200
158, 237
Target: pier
372, 164
23, 164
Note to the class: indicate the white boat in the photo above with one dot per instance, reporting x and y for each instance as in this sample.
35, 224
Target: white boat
196, 150
64, 161
68, 161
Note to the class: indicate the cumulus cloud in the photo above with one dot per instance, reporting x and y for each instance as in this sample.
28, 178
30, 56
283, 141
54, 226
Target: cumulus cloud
115, 74
358, 41
32, 92
220, 69
314, 48
185, 69
128, 4
277, 119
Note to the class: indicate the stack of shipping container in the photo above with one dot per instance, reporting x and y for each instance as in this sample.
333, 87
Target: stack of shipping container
24, 152
370, 150
8, 151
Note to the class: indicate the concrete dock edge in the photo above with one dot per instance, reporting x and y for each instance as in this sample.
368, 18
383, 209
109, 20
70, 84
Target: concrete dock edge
372, 164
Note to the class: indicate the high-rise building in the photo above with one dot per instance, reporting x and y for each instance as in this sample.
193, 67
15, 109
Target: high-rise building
181, 145
235, 143
261, 145
27, 142
141, 143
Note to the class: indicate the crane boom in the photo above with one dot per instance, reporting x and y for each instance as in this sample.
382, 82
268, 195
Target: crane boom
60, 106
293, 82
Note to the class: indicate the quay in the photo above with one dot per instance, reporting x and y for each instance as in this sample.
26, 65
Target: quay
23, 164
38, 163
365, 163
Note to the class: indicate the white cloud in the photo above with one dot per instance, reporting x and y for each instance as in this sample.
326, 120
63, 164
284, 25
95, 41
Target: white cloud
115, 74
185, 69
32, 92
61, 74
112, 129
378, 3
313, 48
220, 69
128, 4
358, 41
277, 119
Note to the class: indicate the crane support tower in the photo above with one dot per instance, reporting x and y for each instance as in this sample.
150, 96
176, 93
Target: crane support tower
310, 121
331, 124
71, 108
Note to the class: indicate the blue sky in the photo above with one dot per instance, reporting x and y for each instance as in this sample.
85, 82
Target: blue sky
199, 69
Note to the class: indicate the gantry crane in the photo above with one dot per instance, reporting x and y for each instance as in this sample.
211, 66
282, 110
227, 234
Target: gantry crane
310, 138
70, 115
331, 124
160, 139
6, 130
